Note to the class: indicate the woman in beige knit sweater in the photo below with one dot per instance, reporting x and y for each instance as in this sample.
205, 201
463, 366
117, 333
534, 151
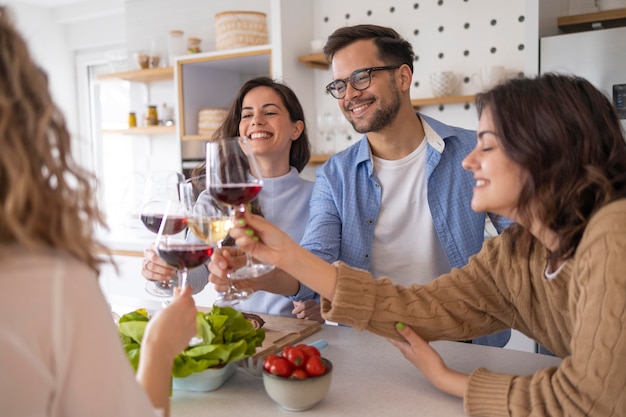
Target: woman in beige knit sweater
551, 155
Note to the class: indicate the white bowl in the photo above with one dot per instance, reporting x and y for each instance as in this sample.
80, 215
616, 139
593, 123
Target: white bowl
208, 380
298, 394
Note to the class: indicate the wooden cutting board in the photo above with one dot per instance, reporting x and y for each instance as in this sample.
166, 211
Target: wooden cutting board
281, 331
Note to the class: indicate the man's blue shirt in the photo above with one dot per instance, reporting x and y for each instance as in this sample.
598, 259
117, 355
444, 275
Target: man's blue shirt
346, 201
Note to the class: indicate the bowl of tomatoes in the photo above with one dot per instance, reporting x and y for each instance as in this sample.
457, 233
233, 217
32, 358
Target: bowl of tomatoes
298, 378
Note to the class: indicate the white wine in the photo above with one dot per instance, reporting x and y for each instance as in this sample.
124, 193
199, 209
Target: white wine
210, 229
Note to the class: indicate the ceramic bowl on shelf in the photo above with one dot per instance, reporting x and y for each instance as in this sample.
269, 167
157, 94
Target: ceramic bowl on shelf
208, 380
298, 394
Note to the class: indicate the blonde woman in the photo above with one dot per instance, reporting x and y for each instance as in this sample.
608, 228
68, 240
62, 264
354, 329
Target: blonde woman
60, 353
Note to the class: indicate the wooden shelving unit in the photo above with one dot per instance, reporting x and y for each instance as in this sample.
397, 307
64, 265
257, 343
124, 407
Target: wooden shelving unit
148, 130
143, 75
318, 159
435, 101
592, 21
317, 61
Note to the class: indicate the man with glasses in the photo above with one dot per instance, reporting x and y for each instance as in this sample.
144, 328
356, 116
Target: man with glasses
398, 201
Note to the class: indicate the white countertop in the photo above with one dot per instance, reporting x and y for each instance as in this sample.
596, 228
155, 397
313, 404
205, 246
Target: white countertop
370, 378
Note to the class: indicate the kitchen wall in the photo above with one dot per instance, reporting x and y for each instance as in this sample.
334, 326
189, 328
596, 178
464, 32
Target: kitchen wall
457, 35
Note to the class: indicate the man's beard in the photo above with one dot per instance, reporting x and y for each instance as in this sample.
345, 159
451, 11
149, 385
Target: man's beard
382, 117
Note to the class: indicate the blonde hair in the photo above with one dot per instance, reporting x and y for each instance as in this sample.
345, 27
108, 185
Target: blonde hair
46, 199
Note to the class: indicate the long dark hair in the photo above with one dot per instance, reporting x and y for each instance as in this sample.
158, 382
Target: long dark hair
568, 137
300, 151
392, 48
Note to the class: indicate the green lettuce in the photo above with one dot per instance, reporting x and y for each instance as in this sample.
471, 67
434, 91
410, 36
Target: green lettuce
226, 337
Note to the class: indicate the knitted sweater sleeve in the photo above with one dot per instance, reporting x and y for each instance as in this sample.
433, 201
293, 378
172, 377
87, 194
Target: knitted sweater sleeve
581, 314
457, 306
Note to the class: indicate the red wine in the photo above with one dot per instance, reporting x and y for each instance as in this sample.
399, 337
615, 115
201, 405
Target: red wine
185, 255
173, 224
235, 194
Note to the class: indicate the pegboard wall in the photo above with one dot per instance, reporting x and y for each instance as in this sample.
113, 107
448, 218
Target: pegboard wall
453, 35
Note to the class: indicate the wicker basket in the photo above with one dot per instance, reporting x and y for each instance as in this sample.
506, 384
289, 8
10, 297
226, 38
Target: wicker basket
237, 29
210, 119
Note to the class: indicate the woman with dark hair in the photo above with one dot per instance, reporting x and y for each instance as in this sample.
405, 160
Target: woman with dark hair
270, 115
551, 156
60, 352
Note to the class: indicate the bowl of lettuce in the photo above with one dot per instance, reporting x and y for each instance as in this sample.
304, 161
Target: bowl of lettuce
224, 338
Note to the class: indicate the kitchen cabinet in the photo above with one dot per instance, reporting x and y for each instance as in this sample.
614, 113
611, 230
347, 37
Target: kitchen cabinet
212, 79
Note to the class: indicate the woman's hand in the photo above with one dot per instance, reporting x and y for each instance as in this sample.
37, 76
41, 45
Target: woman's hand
261, 239
269, 244
153, 268
308, 310
428, 361
167, 334
170, 330
223, 262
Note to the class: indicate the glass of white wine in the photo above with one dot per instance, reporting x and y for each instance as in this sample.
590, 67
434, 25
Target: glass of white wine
210, 221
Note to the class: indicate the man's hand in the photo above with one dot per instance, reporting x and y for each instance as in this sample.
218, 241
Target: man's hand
309, 310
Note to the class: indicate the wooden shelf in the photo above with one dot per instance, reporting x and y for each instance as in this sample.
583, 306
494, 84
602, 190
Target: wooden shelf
148, 130
317, 61
318, 159
592, 21
435, 101
196, 137
143, 75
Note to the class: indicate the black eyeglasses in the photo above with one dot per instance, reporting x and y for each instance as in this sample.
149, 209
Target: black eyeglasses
359, 80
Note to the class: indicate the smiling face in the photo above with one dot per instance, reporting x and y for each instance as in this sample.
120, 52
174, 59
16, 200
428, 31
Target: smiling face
265, 121
498, 180
374, 108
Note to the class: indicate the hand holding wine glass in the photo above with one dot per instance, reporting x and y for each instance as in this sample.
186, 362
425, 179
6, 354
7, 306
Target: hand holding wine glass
233, 178
185, 252
162, 190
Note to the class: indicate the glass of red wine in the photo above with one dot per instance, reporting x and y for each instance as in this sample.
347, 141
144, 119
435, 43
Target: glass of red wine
186, 251
233, 178
163, 191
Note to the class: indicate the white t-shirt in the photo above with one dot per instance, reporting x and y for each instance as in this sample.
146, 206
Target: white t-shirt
60, 353
405, 247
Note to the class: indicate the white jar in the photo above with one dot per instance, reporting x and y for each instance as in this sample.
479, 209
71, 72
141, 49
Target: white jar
176, 45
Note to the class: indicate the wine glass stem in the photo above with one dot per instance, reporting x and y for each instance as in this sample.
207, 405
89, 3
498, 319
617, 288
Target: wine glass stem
242, 209
182, 278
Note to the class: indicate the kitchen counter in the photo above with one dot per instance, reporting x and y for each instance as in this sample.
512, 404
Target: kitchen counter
370, 378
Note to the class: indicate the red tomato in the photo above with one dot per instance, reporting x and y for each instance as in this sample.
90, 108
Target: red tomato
296, 356
315, 366
286, 350
281, 367
299, 374
310, 350
268, 362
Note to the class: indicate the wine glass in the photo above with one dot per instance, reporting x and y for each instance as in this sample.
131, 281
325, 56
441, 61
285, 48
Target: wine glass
213, 224
182, 251
234, 179
162, 191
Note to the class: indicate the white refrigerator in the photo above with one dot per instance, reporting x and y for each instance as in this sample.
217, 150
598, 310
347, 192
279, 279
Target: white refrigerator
599, 56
